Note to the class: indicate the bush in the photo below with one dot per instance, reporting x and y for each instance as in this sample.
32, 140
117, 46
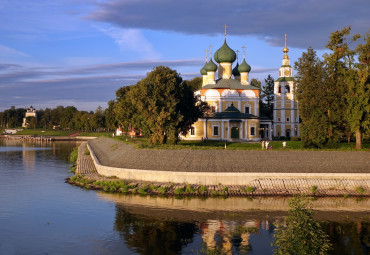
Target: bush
74, 155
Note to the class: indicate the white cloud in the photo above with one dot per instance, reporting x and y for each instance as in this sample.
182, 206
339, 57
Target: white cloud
131, 39
9, 52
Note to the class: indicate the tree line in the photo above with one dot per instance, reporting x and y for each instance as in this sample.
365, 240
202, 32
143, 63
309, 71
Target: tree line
66, 118
334, 91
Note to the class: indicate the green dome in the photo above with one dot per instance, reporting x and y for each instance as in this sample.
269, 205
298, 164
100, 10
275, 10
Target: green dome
225, 54
210, 66
244, 67
236, 71
203, 71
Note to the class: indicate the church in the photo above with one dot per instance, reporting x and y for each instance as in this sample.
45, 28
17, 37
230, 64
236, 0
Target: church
234, 103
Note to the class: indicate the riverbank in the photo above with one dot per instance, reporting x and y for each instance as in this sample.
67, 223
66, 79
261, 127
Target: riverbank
320, 184
46, 138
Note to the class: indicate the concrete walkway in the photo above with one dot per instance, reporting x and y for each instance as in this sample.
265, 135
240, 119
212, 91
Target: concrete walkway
277, 186
118, 154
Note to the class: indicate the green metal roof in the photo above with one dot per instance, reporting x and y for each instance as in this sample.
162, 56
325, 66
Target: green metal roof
285, 79
228, 84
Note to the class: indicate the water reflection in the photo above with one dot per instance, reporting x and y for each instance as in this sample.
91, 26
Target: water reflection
152, 225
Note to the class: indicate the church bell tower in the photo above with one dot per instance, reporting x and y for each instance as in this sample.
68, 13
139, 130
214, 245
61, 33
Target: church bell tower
286, 117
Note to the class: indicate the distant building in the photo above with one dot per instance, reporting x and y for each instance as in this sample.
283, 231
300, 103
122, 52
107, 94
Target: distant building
31, 112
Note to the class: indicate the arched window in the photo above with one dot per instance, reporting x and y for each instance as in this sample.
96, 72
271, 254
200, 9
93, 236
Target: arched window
253, 131
287, 88
279, 89
213, 108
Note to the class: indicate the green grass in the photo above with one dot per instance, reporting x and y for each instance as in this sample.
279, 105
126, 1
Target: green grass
220, 145
74, 154
360, 190
42, 132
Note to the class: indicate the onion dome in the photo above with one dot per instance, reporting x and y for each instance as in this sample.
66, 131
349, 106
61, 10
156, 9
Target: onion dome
225, 54
244, 67
210, 66
203, 71
236, 71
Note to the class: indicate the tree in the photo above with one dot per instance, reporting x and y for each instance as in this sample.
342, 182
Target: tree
110, 117
311, 93
358, 92
161, 105
303, 234
337, 62
268, 96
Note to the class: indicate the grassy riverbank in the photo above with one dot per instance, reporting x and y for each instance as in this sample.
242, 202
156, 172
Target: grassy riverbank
43, 132
115, 185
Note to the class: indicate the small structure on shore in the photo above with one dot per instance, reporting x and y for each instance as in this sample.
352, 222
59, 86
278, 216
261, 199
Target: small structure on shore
31, 112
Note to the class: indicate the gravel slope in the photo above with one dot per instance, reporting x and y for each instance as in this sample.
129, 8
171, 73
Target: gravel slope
118, 154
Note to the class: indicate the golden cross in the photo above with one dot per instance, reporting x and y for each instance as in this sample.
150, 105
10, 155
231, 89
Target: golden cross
210, 50
225, 26
244, 51
285, 40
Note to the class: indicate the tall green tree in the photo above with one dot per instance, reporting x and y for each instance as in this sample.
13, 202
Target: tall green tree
267, 94
161, 105
337, 62
302, 234
312, 96
357, 79
110, 117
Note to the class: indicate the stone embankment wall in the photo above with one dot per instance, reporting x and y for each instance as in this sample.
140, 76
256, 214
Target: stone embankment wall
263, 184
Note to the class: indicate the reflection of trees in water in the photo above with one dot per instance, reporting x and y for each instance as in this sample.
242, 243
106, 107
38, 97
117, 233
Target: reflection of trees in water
349, 238
147, 235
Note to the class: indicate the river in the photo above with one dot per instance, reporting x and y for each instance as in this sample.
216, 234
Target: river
41, 214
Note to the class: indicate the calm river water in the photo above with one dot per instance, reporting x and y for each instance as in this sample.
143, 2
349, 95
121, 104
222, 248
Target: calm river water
41, 214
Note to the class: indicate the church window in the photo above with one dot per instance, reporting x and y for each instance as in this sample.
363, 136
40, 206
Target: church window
246, 109
253, 131
192, 131
213, 108
279, 89
278, 119
287, 119
215, 130
287, 88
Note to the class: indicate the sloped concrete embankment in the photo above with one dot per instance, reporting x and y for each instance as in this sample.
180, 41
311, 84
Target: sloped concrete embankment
246, 184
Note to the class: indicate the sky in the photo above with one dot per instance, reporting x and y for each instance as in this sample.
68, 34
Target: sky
79, 52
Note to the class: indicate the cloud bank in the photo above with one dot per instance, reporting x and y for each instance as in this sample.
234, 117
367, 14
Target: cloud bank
307, 23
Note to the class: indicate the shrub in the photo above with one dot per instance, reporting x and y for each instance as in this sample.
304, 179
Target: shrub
360, 190
314, 189
73, 156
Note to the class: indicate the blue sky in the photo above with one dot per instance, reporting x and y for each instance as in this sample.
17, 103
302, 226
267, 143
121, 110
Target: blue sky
79, 52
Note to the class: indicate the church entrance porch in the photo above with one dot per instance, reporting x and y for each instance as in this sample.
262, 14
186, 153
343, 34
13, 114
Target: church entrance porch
234, 133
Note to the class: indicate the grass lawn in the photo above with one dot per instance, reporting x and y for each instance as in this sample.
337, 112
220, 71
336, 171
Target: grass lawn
219, 145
